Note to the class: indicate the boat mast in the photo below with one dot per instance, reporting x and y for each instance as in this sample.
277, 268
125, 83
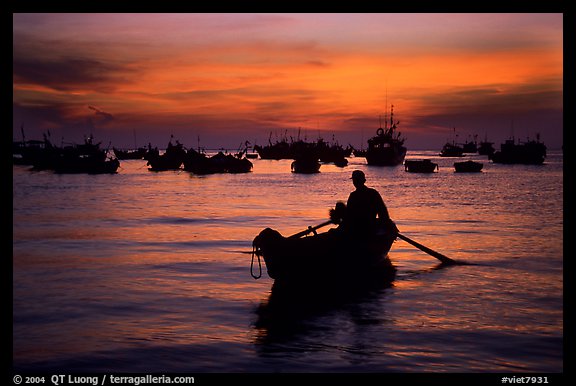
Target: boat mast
512, 131
386, 108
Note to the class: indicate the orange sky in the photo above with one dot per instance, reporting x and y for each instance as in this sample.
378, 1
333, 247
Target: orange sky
227, 78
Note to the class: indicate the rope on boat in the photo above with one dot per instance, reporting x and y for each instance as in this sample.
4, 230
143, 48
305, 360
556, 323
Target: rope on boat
256, 251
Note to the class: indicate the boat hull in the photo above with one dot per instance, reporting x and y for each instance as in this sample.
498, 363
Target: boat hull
199, 163
305, 166
468, 167
517, 158
420, 166
390, 156
451, 150
329, 256
529, 153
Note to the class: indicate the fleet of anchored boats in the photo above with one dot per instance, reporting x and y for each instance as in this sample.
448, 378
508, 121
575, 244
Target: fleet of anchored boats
386, 148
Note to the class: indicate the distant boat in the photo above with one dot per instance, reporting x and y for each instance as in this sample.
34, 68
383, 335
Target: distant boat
333, 152
200, 163
532, 152
293, 149
387, 147
307, 164
172, 159
420, 166
486, 148
85, 158
451, 150
283, 149
470, 146
151, 153
77, 158
278, 150
228, 163
468, 166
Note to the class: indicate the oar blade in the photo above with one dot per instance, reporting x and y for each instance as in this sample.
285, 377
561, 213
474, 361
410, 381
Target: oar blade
444, 259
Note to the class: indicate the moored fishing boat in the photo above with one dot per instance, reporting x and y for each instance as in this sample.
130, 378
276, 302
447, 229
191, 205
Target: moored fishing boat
451, 150
199, 163
468, 166
172, 158
486, 148
76, 158
387, 147
228, 163
306, 164
528, 153
470, 146
325, 257
420, 166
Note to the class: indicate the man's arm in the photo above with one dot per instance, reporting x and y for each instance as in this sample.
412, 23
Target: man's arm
381, 209
384, 215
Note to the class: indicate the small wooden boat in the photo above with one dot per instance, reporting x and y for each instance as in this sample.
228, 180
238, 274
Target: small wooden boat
468, 166
325, 257
341, 162
420, 166
307, 164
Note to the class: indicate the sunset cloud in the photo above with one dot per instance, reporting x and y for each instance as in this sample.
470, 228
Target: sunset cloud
243, 75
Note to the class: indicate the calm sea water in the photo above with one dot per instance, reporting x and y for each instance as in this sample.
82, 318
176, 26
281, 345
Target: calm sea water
150, 272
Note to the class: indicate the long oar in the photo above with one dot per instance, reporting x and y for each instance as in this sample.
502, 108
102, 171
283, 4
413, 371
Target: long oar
438, 255
444, 259
310, 230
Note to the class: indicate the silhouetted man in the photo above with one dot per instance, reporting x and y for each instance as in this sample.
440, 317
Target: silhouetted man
364, 210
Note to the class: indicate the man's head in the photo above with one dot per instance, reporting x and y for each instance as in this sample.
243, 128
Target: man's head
358, 178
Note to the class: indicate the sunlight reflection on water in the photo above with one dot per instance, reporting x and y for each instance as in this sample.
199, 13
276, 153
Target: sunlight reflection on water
118, 271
